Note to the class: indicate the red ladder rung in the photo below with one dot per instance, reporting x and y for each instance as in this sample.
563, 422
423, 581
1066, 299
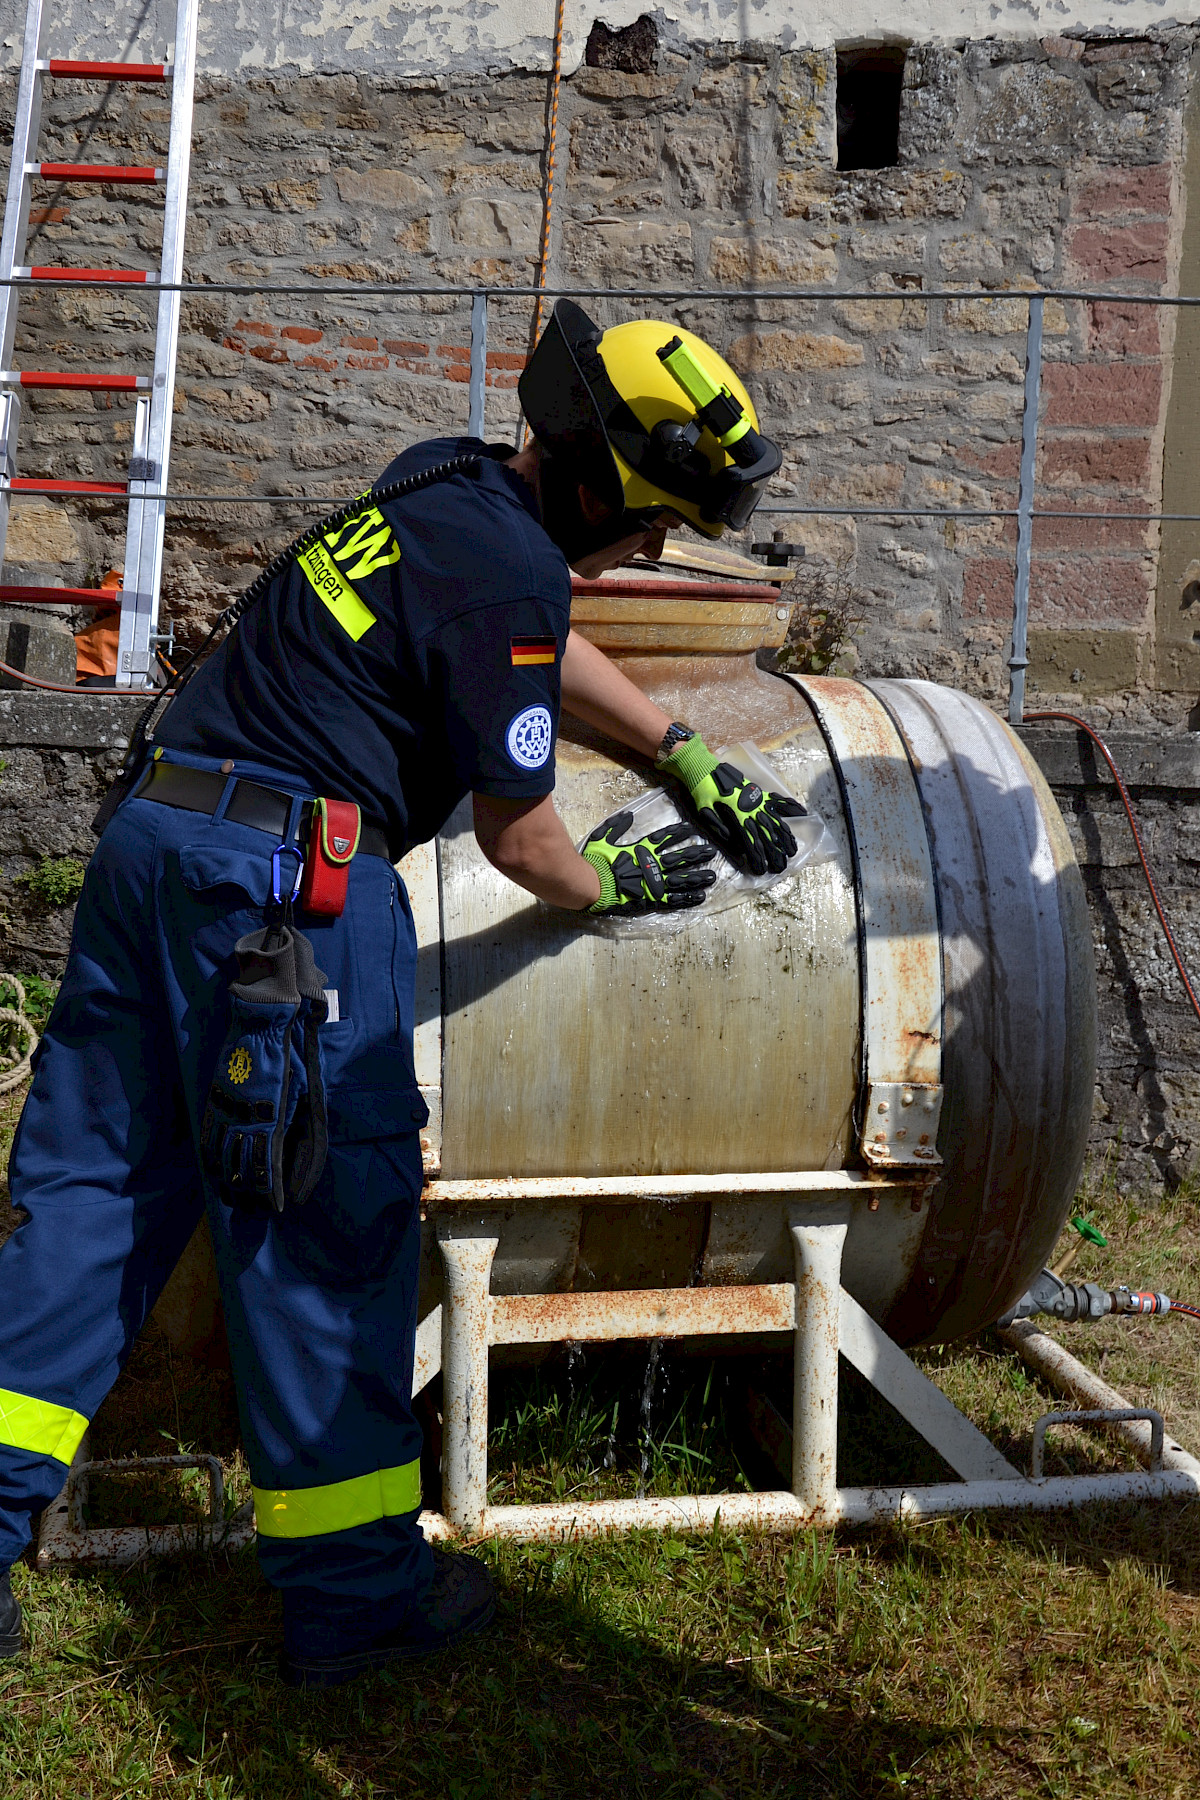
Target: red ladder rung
30, 484
143, 176
46, 272
108, 599
96, 384
109, 71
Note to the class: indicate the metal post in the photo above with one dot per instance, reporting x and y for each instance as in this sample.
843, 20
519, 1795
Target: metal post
467, 1257
1018, 661
478, 387
10, 425
817, 1245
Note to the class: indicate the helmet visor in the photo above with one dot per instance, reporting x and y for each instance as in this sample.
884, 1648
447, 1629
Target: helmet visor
735, 506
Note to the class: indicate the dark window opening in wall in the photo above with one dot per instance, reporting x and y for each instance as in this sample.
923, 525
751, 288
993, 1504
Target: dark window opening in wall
632, 50
868, 106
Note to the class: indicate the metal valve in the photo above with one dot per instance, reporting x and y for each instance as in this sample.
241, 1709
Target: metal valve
1081, 1300
777, 552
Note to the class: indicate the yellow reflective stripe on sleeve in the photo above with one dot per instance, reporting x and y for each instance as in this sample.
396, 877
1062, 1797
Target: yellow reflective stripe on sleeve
330, 585
310, 1512
39, 1426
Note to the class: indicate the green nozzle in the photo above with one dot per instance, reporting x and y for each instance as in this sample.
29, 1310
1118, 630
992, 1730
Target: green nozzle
1088, 1232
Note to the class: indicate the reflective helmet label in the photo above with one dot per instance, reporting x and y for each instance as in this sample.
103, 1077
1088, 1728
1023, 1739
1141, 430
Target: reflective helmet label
530, 737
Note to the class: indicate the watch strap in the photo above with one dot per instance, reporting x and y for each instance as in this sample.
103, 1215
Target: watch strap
675, 734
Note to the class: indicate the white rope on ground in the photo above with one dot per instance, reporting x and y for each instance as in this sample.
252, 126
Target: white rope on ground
15, 1030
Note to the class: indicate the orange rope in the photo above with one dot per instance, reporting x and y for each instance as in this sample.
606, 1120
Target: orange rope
544, 251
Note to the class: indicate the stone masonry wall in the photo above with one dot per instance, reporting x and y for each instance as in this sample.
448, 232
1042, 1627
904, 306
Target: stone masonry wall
1055, 162
1146, 1123
1052, 162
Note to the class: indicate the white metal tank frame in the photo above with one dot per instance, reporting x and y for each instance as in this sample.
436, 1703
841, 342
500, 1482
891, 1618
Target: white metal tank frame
974, 1075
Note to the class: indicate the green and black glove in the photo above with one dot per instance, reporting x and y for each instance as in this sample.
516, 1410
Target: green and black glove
748, 824
653, 873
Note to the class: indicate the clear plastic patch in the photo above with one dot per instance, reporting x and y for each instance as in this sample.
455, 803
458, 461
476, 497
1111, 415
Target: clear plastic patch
661, 807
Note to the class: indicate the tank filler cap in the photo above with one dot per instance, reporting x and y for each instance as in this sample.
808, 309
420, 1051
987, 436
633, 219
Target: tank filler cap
900, 1124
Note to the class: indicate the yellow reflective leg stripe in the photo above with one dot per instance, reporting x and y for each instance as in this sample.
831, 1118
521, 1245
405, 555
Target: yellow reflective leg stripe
330, 585
309, 1512
39, 1426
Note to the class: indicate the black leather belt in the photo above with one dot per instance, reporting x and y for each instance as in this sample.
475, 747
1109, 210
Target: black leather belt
262, 808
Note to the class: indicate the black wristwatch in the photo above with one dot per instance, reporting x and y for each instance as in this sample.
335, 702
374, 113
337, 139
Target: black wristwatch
674, 735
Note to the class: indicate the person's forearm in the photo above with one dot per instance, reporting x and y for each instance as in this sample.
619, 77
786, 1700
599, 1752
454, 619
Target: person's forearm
529, 844
594, 690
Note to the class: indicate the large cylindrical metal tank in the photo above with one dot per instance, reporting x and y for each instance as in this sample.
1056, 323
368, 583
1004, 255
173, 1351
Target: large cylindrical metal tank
924, 1001
948, 940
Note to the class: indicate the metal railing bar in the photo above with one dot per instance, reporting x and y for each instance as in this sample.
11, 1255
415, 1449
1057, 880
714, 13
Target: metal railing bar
477, 397
1018, 661
375, 289
992, 512
247, 497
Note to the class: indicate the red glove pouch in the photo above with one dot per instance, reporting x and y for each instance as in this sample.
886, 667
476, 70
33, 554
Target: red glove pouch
336, 828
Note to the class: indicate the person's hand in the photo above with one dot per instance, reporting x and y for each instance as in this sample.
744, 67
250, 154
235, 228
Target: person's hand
750, 825
654, 873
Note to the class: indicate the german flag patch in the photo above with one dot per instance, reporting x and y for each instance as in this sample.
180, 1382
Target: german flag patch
529, 650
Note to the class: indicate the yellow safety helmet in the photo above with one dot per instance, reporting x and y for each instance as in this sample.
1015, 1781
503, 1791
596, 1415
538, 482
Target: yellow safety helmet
650, 419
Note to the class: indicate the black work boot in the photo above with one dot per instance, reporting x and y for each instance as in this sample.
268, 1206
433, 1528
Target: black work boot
461, 1599
10, 1620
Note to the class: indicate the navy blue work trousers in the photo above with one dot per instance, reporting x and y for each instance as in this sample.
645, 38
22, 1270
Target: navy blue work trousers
320, 1302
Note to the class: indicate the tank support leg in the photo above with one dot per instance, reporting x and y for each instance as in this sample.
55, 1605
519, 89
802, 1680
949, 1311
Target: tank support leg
467, 1253
817, 1248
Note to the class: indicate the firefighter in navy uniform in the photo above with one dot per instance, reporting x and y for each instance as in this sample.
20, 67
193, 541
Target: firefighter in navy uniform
418, 651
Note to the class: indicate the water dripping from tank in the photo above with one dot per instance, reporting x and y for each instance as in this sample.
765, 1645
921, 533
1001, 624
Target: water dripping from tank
648, 1387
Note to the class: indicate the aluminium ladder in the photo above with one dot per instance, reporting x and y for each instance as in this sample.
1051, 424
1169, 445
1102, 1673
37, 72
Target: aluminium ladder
151, 444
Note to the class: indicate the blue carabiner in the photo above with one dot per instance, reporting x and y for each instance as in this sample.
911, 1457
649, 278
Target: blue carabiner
286, 850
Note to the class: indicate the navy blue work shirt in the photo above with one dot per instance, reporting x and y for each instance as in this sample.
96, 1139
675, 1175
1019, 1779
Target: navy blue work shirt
408, 658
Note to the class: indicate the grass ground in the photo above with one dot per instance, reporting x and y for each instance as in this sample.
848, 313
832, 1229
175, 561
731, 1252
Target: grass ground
993, 1656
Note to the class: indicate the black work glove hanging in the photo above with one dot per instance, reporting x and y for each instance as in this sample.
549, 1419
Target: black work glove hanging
264, 1135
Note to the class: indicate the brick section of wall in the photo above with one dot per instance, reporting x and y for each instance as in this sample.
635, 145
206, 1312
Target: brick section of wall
1020, 163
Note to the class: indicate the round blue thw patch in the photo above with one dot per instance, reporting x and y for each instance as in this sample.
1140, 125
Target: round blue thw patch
529, 737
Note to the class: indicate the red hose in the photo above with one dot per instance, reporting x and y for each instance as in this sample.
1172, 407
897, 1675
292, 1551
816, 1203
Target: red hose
1082, 725
56, 687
